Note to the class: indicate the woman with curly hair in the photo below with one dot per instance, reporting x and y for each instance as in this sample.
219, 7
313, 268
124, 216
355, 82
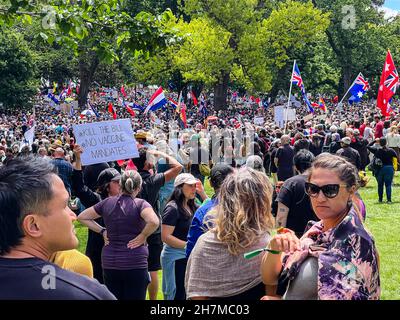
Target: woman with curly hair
240, 223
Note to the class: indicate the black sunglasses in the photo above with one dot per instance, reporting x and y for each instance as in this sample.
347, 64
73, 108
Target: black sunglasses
330, 190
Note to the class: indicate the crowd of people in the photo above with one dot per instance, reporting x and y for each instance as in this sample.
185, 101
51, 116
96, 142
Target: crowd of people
292, 190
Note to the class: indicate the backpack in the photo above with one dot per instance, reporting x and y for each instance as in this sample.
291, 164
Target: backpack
375, 165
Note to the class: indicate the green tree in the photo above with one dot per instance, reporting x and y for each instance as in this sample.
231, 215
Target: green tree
246, 40
96, 31
357, 35
17, 71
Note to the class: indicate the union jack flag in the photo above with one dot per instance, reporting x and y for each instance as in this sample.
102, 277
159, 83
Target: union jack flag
362, 81
296, 77
392, 81
298, 80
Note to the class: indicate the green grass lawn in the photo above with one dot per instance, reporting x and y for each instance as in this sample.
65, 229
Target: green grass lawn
384, 224
382, 221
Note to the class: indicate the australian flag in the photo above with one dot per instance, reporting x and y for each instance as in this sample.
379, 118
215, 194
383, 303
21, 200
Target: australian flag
93, 109
358, 89
298, 80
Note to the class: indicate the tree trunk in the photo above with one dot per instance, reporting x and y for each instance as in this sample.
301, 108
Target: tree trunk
345, 80
221, 92
87, 68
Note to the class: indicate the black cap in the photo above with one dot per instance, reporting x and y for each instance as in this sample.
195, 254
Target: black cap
108, 175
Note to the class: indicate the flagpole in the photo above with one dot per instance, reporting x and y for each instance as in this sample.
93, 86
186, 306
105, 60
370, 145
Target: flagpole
340, 103
349, 89
290, 93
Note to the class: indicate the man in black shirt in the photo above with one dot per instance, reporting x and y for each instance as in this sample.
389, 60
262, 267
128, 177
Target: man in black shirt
294, 205
349, 153
151, 186
35, 223
284, 159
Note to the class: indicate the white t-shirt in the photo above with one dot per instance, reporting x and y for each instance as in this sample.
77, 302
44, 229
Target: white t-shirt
368, 134
393, 141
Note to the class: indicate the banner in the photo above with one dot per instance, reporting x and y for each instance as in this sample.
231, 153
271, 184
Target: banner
106, 141
259, 121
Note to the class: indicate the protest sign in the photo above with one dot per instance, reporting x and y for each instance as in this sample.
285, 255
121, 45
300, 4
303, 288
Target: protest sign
106, 141
308, 117
259, 121
280, 115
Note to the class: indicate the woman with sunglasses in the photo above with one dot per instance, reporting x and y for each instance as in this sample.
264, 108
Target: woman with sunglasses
336, 259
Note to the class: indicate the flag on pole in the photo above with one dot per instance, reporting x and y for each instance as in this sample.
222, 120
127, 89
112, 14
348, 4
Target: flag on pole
388, 85
112, 110
91, 107
53, 98
298, 80
69, 91
157, 100
321, 104
123, 91
136, 107
182, 117
358, 89
173, 103
181, 110
63, 94
130, 110
195, 101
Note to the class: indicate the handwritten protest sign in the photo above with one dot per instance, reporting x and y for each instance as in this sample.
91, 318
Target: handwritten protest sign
259, 121
280, 115
106, 141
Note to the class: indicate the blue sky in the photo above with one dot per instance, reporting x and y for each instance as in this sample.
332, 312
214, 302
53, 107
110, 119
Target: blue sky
393, 4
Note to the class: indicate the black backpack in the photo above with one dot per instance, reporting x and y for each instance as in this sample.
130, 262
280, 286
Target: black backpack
375, 165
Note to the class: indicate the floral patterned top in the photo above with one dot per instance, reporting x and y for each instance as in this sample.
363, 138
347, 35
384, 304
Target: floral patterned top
348, 263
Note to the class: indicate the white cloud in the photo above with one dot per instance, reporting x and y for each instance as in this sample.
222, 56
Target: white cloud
389, 13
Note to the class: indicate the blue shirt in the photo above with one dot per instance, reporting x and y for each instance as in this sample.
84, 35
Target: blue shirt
198, 227
64, 169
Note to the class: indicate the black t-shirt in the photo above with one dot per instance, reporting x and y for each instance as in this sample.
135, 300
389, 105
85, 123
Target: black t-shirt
351, 155
292, 195
179, 218
34, 279
151, 190
285, 155
385, 154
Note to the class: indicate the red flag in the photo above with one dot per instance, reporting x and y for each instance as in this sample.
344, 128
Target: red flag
130, 110
112, 110
123, 91
388, 85
195, 102
335, 99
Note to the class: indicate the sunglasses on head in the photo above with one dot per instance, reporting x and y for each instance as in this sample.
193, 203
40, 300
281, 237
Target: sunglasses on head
329, 190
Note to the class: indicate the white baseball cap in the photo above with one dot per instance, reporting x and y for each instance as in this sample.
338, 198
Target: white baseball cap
184, 178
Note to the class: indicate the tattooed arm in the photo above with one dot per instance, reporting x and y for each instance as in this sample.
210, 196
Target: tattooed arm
281, 216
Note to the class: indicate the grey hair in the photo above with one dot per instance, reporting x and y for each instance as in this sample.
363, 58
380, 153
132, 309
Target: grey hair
130, 182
